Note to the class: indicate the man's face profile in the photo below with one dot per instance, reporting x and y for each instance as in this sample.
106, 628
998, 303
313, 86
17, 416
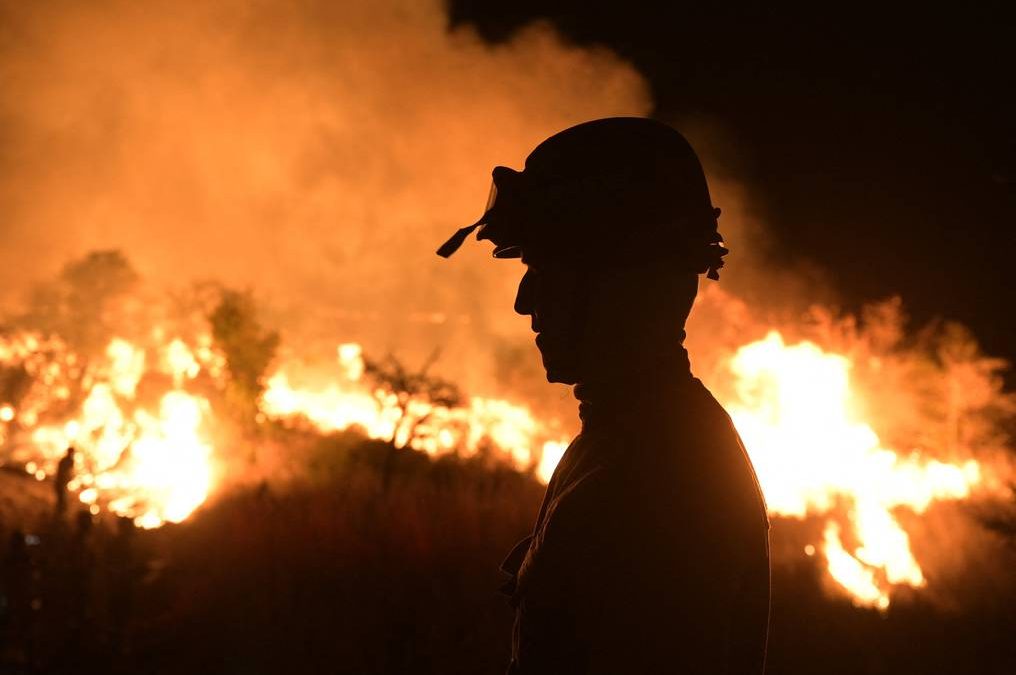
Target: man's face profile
614, 223
602, 321
548, 295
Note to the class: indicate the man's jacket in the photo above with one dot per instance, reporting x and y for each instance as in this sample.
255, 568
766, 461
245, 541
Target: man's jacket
650, 552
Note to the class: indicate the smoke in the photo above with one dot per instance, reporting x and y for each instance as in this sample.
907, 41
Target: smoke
316, 152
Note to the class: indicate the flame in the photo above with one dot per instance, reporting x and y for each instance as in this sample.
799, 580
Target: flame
796, 411
553, 451
151, 463
150, 458
347, 401
795, 407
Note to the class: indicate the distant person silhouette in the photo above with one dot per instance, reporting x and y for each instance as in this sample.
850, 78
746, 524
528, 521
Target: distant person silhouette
64, 474
650, 553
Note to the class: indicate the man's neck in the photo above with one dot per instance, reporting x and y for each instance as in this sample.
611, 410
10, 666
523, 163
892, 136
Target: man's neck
632, 385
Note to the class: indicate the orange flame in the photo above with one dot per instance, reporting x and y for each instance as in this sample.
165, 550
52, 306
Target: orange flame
795, 408
154, 466
348, 401
794, 405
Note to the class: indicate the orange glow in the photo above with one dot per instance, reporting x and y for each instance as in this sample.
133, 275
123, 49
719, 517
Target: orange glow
348, 401
794, 404
796, 411
794, 407
152, 464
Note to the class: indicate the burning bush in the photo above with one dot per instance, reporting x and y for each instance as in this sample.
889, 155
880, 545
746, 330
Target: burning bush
248, 348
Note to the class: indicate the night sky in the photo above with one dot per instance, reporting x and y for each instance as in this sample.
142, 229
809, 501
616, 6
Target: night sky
881, 147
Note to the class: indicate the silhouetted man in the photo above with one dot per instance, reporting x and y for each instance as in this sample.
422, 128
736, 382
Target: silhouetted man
64, 474
650, 551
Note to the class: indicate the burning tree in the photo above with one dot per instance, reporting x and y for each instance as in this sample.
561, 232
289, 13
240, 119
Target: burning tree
409, 409
416, 395
248, 348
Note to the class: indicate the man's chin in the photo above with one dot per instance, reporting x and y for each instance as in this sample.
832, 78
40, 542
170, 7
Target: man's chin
560, 373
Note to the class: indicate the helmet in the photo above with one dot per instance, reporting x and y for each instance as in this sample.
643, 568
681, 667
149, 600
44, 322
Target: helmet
611, 191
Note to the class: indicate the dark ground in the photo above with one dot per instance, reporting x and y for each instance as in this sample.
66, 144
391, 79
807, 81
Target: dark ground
387, 563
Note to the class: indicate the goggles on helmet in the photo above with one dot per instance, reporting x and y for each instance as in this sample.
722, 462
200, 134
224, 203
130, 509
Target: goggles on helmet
517, 204
504, 198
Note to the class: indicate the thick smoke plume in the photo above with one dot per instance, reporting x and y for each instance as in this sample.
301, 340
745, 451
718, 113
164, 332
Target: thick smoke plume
317, 152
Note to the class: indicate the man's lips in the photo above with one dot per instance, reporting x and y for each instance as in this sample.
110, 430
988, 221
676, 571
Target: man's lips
545, 341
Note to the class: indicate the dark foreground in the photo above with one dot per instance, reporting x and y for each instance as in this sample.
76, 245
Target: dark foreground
385, 562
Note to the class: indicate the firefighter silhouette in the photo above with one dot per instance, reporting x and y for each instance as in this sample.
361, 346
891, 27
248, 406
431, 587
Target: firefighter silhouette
64, 474
650, 552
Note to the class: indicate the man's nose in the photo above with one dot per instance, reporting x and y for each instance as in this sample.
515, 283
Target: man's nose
524, 297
